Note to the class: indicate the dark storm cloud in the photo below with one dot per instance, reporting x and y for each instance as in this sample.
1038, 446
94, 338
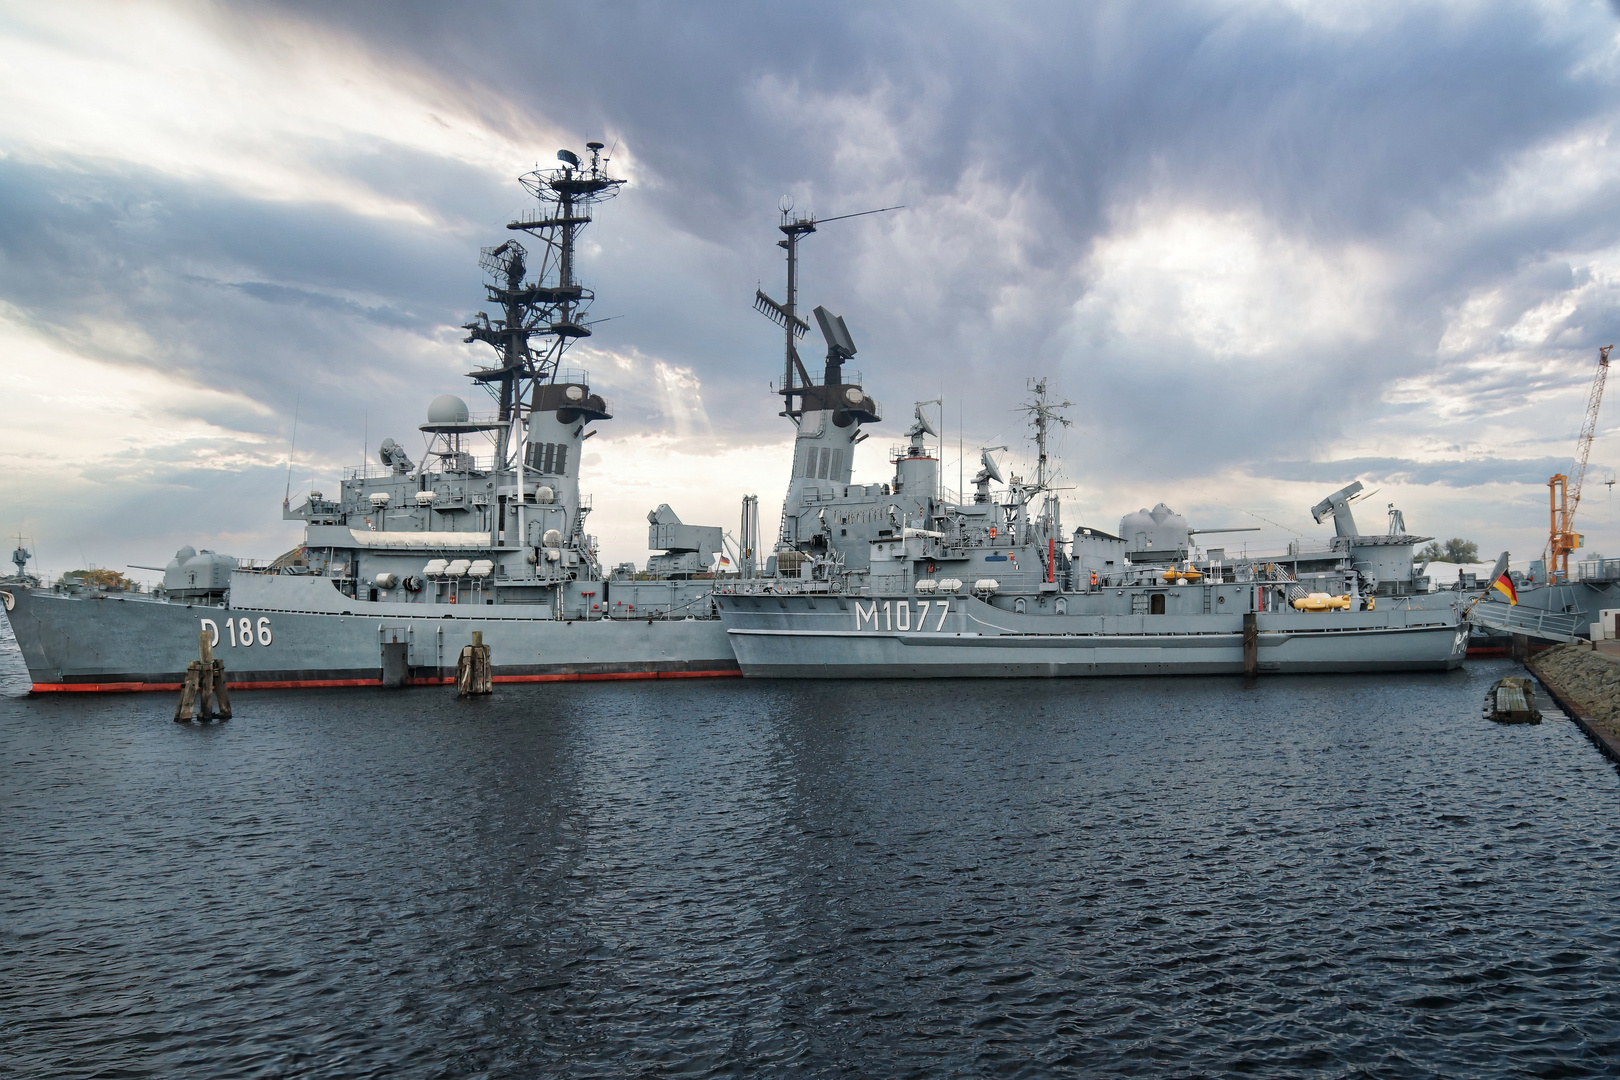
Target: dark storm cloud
286, 294
1018, 137
167, 258
1340, 126
1458, 474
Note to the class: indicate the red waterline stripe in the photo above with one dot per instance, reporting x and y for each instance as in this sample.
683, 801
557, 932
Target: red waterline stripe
603, 677
312, 684
108, 687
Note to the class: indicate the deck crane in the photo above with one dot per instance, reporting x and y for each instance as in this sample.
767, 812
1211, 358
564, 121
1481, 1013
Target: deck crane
1564, 492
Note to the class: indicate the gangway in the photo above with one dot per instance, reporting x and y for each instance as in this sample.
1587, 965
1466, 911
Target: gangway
1546, 625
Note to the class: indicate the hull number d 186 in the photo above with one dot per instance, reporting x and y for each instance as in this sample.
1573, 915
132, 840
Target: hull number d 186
241, 632
898, 615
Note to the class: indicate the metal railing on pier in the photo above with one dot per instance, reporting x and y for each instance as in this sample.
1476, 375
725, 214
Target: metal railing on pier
1596, 570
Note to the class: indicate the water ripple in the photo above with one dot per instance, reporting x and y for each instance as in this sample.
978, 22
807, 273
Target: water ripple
1347, 877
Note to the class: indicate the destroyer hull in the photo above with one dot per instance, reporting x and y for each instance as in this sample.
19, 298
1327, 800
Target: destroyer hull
975, 640
107, 643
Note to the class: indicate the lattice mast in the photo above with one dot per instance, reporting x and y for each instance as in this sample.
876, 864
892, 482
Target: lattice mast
1564, 492
1042, 415
552, 306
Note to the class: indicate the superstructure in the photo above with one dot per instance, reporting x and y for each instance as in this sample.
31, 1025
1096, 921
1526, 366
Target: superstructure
904, 579
484, 528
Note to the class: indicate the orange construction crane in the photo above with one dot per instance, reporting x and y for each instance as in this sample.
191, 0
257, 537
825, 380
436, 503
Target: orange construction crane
1564, 492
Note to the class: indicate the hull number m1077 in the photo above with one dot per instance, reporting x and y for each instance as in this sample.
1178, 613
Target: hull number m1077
900, 615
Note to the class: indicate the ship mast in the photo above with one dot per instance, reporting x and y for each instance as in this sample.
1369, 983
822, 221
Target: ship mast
1042, 415
786, 315
550, 307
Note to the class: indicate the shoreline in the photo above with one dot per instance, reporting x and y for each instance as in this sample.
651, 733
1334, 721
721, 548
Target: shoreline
1580, 680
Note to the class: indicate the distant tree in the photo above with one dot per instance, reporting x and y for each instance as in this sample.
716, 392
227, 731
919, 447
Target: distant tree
1459, 550
101, 579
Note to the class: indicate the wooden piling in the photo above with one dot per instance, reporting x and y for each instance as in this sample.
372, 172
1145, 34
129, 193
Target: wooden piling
473, 672
206, 709
222, 695
203, 691
188, 693
1251, 644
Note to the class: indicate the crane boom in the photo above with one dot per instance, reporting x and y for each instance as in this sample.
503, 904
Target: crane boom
1583, 445
1565, 491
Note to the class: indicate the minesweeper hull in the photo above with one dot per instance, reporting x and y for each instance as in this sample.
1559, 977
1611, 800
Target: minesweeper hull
858, 637
114, 643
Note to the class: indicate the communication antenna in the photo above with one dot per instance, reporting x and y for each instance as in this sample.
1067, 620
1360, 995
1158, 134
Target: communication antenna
786, 314
292, 445
1042, 415
540, 316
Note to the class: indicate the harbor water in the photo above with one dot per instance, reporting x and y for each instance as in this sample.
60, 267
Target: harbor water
1310, 876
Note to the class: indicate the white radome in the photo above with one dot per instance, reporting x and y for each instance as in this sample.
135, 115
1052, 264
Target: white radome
447, 409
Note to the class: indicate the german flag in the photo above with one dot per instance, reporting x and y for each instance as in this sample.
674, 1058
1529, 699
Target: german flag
1504, 585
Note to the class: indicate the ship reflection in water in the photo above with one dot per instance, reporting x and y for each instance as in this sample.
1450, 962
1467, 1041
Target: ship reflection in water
1328, 875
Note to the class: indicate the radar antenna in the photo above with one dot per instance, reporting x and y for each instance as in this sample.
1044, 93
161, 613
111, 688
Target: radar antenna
20, 557
786, 314
550, 306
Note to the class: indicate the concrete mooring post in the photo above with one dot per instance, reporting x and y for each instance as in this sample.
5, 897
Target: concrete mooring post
204, 691
396, 663
473, 672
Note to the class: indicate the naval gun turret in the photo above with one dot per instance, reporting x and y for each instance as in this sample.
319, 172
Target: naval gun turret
1156, 536
198, 575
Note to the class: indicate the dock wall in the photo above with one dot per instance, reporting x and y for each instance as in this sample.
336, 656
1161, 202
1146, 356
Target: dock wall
1587, 685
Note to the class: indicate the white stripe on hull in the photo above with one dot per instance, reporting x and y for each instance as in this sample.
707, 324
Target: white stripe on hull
840, 654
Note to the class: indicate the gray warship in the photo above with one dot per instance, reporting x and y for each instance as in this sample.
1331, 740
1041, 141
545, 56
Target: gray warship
486, 531
905, 579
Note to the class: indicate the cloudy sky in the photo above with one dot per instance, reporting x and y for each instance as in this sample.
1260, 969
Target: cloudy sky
1264, 247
